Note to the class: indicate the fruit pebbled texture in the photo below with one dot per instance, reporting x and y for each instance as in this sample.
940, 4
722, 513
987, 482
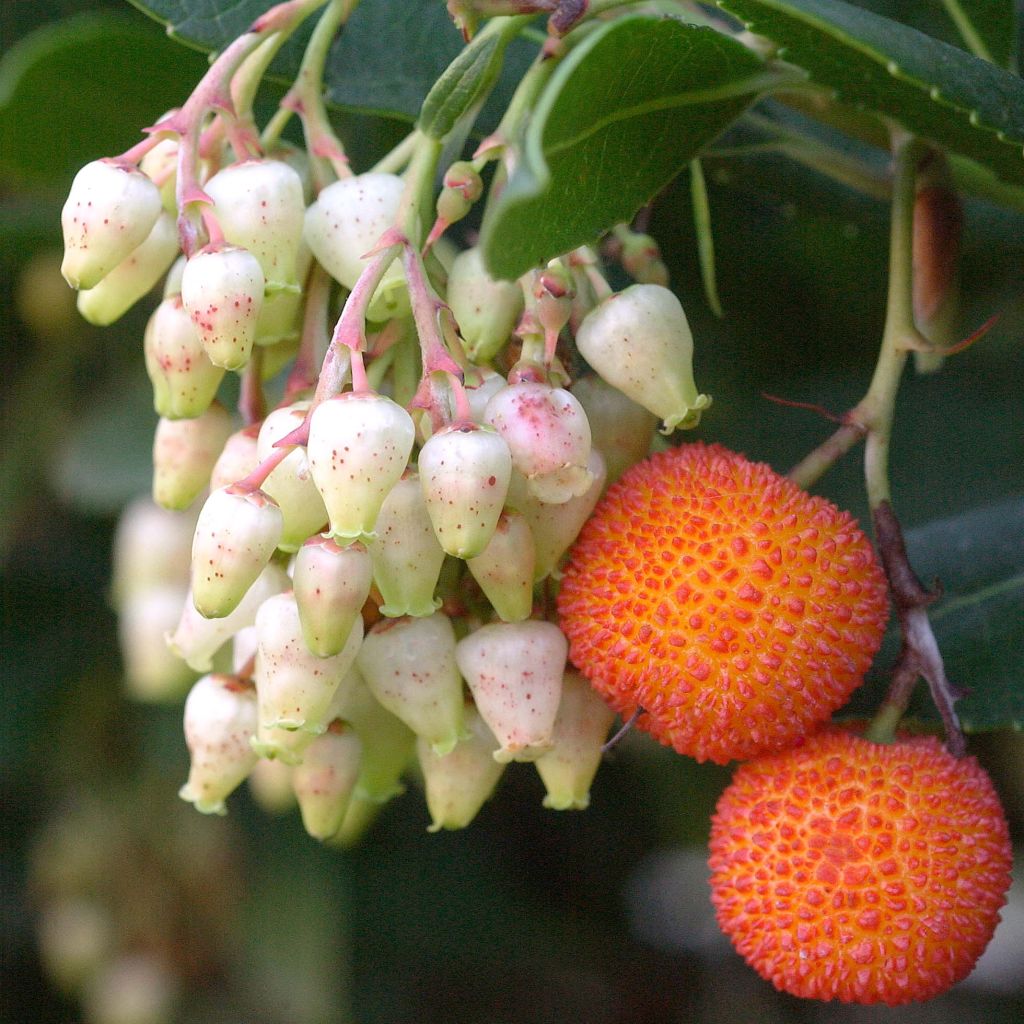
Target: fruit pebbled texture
736, 610
842, 869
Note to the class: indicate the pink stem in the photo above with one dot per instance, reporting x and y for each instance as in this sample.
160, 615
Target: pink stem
256, 479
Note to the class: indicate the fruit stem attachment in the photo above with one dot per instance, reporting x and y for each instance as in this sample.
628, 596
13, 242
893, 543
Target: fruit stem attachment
919, 655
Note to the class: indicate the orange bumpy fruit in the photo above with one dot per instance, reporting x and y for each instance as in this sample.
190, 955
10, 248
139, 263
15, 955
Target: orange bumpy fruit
842, 869
735, 609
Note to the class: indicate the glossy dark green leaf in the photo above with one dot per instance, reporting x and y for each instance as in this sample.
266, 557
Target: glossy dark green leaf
932, 89
385, 60
978, 621
625, 111
82, 88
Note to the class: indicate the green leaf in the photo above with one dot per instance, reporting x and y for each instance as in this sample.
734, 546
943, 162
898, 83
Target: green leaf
978, 621
988, 28
934, 90
81, 88
385, 60
467, 80
626, 110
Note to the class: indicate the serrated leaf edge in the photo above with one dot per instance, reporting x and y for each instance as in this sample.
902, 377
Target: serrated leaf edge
890, 67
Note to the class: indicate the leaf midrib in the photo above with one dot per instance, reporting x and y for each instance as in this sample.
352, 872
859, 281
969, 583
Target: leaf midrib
755, 84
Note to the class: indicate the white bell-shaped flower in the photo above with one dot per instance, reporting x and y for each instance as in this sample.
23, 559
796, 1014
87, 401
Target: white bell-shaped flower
184, 452
237, 458
406, 556
237, 532
135, 276
110, 210
458, 783
409, 666
222, 292
464, 471
640, 342
197, 639
581, 728
621, 430
486, 310
294, 686
514, 671
344, 225
326, 778
260, 207
291, 483
183, 378
555, 527
359, 446
548, 435
220, 719
331, 586
505, 568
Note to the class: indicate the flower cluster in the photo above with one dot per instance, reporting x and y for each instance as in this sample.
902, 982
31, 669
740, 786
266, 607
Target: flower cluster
359, 567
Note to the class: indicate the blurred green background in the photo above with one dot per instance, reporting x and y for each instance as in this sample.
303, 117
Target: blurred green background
529, 915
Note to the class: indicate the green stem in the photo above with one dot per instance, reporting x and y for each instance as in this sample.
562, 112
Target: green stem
967, 31
876, 410
705, 236
419, 189
306, 98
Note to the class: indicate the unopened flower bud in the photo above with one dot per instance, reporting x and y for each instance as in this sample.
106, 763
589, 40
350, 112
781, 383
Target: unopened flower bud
640, 342
331, 585
462, 187
486, 310
359, 446
183, 378
220, 720
294, 686
184, 452
505, 568
581, 727
548, 434
345, 224
620, 429
237, 532
406, 556
458, 783
133, 277
291, 484
641, 259
222, 291
553, 295
197, 639
237, 459
260, 207
108, 214
514, 671
326, 778
409, 666
555, 527
464, 470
